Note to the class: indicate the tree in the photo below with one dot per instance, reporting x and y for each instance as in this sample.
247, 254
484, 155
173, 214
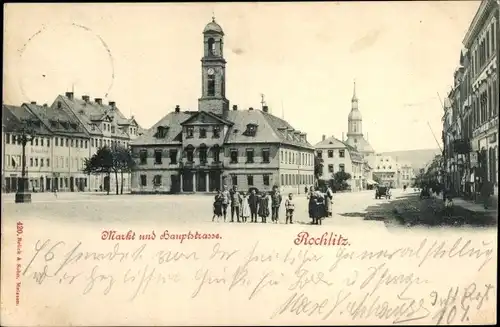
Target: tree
100, 163
318, 167
339, 180
117, 160
123, 162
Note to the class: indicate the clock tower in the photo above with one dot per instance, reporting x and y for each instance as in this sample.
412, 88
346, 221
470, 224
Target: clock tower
213, 71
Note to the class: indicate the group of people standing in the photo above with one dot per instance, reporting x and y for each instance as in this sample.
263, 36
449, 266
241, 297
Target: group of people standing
320, 203
261, 205
252, 205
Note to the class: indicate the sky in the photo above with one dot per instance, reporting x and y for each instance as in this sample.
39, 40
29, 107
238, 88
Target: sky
304, 57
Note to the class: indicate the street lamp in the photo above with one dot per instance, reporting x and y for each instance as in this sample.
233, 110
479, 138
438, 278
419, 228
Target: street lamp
23, 194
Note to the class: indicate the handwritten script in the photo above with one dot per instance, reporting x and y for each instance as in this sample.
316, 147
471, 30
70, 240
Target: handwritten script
388, 284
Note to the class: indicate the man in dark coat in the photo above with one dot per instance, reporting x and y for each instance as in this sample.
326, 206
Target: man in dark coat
486, 191
235, 203
253, 203
275, 204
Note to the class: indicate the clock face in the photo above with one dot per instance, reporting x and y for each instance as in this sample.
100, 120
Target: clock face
211, 71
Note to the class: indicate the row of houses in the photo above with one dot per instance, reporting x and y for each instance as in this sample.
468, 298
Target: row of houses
61, 136
470, 120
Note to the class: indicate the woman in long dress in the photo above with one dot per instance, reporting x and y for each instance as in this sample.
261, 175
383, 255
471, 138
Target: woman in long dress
329, 201
263, 207
320, 210
311, 196
217, 206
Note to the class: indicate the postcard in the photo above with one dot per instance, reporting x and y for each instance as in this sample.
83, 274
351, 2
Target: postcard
325, 163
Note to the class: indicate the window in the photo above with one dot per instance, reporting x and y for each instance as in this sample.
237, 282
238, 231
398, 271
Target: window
81, 144
67, 142
250, 180
48, 162
234, 156
203, 133
330, 153
48, 142
36, 162
190, 154
158, 160
144, 181
190, 132
36, 141
211, 86
342, 167
266, 180
211, 46
7, 138
249, 155
319, 154
173, 157
234, 179
330, 168
265, 156
342, 153
216, 153
281, 156
251, 130
143, 157
112, 129
203, 155
157, 180
86, 144
41, 142
216, 132
31, 162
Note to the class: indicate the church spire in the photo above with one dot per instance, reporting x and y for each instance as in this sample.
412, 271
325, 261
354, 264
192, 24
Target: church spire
354, 97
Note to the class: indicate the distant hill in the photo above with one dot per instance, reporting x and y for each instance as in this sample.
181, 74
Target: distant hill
417, 158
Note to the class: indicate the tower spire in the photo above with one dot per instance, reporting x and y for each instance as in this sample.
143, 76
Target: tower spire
354, 97
213, 16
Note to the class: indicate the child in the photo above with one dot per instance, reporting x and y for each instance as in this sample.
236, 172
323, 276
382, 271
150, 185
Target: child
245, 208
253, 203
263, 207
289, 207
448, 207
217, 206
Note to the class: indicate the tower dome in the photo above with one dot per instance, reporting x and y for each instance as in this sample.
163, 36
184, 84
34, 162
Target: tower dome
213, 27
355, 115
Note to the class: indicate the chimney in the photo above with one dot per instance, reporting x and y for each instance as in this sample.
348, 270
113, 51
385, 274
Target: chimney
112, 104
251, 108
177, 108
265, 108
33, 102
45, 105
98, 101
235, 107
323, 138
342, 137
69, 95
85, 98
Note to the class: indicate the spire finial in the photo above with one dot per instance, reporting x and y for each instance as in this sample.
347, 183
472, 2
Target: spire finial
354, 91
213, 16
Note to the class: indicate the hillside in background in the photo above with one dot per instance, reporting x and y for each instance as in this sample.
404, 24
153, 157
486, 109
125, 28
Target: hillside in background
417, 158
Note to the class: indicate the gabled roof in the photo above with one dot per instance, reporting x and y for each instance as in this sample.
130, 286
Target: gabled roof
10, 121
26, 118
57, 121
173, 120
204, 117
330, 143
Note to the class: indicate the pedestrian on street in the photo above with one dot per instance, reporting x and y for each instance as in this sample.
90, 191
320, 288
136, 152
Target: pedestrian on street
235, 204
276, 203
218, 206
225, 201
312, 203
290, 208
245, 208
253, 203
263, 207
486, 192
54, 189
329, 201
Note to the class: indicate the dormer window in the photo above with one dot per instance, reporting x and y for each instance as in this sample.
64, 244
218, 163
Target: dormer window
190, 132
251, 130
161, 132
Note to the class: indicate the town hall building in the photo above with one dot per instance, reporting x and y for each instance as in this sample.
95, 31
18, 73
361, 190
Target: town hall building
200, 151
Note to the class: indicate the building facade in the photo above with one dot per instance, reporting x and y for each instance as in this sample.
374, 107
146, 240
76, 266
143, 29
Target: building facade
200, 151
55, 157
385, 170
338, 156
482, 42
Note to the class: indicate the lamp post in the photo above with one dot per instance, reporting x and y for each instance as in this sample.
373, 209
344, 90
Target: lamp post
23, 195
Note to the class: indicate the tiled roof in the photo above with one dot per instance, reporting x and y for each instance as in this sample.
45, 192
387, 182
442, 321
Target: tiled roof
330, 143
173, 120
269, 129
23, 115
10, 121
88, 111
57, 121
